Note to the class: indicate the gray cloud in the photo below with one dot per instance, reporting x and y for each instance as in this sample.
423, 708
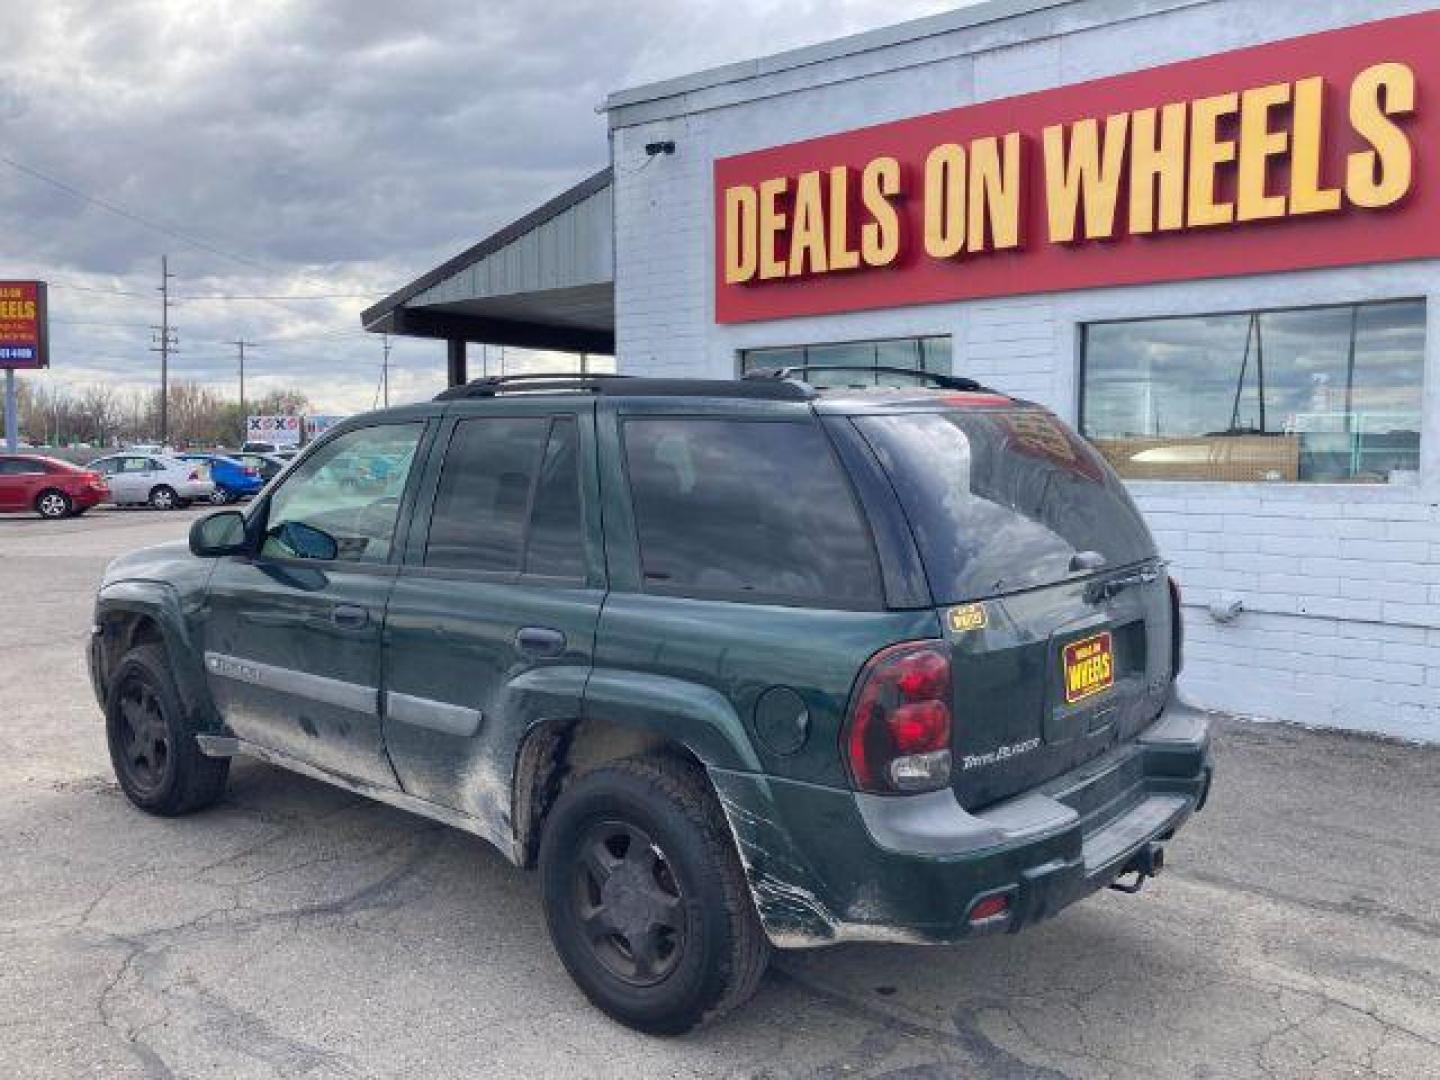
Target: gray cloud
342, 145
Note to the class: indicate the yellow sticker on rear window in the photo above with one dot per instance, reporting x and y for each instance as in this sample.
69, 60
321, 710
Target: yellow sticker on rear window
967, 617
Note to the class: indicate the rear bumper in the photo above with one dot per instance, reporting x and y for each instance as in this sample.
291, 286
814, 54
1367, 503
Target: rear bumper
827, 865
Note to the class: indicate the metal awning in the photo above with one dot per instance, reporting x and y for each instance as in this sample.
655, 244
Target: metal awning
547, 281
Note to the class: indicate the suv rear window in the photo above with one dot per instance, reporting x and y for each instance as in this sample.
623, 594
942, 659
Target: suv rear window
747, 509
1002, 500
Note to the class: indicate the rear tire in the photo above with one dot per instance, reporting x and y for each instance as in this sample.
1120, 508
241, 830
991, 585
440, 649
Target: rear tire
53, 505
152, 743
646, 899
221, 497
163, 497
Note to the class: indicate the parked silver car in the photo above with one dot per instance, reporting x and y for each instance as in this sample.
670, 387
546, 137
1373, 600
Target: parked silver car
163, 482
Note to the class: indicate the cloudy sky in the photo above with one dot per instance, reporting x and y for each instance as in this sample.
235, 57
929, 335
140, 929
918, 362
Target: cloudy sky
326, 148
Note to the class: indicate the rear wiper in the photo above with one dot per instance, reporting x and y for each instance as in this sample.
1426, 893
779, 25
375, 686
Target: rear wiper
1112, 587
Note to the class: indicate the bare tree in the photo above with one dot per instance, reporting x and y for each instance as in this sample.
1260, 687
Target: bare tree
99, 413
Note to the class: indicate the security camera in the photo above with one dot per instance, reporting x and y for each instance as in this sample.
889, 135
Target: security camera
1227, 609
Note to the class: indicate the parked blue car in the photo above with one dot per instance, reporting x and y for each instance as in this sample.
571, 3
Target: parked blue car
234, 480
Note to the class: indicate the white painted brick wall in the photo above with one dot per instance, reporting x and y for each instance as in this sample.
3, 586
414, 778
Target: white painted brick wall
1341, 584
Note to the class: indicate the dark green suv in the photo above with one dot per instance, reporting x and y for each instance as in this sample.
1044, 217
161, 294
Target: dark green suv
733, 664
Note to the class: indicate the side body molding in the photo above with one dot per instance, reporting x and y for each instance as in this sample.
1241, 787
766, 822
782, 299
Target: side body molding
343, 695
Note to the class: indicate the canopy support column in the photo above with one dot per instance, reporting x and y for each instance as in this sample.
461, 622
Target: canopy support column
456, 365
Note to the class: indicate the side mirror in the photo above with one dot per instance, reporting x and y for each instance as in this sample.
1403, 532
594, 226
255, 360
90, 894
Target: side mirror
307, 542
221, 533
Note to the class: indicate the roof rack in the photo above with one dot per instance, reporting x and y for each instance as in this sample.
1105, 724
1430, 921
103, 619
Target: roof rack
574, 382
945, 382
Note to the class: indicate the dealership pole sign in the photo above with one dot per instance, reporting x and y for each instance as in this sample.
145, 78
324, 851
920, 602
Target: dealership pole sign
1312, 152
24, 336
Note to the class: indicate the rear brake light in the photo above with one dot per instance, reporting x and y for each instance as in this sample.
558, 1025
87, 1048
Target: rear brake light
897, 732
194, 474
1177, 628
251, 471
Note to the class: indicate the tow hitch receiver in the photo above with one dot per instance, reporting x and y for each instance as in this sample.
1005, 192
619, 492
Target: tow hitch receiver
1145, 863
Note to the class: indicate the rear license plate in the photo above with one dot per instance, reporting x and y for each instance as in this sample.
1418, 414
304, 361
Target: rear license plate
1089, 667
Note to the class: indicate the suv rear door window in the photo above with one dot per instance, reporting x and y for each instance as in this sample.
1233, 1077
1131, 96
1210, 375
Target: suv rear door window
1003, 500
494, 483
747, 509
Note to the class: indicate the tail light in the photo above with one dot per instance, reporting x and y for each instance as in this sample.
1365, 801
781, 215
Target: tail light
1177, 628
194, 474
897, 732
252, 472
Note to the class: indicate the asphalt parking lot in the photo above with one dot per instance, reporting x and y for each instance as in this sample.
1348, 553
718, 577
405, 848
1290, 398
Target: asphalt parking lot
297, 930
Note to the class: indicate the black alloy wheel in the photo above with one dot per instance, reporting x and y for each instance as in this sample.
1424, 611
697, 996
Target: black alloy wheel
630, 903
153, 748
645, 896
143, 737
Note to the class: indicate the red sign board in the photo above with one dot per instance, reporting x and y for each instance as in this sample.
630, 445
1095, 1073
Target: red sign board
1312, 152
24, 341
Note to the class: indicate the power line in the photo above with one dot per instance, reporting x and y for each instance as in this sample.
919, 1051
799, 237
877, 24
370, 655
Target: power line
98, 322
181, 297
129, 215
288, 297
139, 219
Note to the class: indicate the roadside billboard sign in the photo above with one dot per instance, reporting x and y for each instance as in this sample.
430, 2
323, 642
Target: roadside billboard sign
24, 337
276, 430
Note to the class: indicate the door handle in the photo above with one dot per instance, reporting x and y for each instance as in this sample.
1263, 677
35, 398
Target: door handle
349, 616
539, 641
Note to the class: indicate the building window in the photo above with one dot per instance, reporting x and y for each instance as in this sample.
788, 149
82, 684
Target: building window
1328, 394
865, 357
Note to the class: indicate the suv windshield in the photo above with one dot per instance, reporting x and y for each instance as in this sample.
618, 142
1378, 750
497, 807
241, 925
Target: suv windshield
1003, 500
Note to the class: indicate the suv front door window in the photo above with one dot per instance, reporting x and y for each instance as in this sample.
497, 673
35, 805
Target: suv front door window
348, 490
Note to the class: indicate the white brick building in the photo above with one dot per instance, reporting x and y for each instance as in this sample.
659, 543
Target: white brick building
1332, 546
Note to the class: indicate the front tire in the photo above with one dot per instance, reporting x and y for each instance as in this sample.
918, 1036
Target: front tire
53, 505
152, 743
163, 497
220, 497
645, 897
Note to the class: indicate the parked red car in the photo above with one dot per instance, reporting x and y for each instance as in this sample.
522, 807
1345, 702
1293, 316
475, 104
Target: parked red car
50, 487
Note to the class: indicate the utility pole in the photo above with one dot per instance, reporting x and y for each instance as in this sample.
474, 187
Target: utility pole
385, 371
241, 343
165, 344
